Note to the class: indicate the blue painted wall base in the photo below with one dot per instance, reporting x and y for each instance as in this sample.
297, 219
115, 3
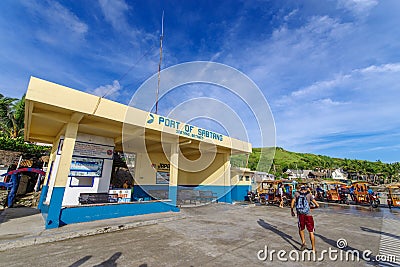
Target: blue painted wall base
227, 194
239, 192
56, 216
173, 194
54, 212
107, 211
43, 195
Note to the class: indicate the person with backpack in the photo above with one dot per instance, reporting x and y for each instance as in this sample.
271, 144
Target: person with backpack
302, 201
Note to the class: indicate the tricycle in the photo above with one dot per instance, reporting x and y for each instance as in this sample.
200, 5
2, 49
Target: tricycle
393, 196
363, 194
268, 192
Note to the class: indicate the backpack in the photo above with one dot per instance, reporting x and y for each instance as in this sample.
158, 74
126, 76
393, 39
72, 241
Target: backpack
302, 205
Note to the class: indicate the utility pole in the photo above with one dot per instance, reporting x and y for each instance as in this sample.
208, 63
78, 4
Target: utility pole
159, 64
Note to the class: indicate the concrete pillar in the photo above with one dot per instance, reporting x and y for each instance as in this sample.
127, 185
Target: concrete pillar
227, 179
45, 186
53, 217
173, 173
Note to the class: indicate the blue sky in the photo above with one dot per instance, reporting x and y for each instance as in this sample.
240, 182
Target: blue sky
330, 70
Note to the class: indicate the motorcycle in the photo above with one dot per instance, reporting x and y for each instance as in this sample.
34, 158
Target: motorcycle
320, 195
343, 197
374, 200
251, 196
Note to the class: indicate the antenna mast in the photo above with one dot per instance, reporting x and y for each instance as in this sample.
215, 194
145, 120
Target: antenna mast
159, 64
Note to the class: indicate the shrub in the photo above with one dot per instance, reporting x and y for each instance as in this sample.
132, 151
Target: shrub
19, 145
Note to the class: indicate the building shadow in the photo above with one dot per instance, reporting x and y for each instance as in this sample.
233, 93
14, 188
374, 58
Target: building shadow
18, 212
111, 262
379, 232
80, 262
333, 244
288, 238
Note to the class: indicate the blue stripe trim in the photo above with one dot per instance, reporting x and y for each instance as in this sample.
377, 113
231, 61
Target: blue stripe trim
107, 211
43, 195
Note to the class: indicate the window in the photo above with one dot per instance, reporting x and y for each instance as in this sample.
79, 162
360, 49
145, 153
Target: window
81, 182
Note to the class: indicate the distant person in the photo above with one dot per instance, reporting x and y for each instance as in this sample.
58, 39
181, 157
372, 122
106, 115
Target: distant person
358, 189
320, 192
370, 191
351, 191
302, 201
281, 195
126, 184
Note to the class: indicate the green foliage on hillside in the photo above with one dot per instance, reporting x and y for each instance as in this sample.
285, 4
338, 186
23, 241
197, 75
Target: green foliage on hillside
284, 160
18, 145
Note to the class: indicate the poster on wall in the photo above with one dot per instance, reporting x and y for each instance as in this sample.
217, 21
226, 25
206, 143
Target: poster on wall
86, 167
85, 149
162, 177
124, 195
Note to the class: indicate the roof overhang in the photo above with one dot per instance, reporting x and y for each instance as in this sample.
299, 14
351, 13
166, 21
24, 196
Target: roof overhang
49, 107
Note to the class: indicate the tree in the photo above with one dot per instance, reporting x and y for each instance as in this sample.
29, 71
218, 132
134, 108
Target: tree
12, 112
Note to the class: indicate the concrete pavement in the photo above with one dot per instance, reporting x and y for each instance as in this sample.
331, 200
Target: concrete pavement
20, 227
221, 235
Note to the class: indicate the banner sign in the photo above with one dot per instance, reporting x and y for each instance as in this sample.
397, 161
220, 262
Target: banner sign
86, 167
184, 129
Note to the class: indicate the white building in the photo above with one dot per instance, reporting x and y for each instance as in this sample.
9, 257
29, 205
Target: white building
338, 174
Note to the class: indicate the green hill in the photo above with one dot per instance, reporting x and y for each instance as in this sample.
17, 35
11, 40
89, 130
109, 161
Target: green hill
260, 160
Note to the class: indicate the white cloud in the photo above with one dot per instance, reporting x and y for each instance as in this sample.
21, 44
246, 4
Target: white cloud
392, 67
130, 45
61, 24
329, 102
290, 15
114, 12
62, 16
368, 103
320, 87
324, 74
359, 8
111, 91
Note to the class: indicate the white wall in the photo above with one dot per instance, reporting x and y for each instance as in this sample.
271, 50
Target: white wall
100, 184
52, 176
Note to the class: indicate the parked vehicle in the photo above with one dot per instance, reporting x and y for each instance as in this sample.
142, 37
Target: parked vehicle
364, 195
333, 191
252, 196
344, 194
393, 196
268, 193
319, 193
